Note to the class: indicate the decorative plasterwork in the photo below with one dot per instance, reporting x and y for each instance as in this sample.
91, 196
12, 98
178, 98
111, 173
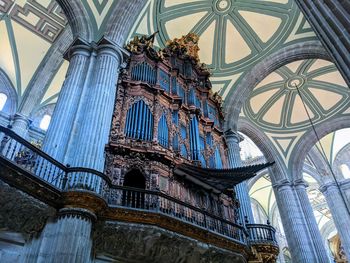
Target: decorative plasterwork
276, 108
233, 34
275, 104
44, 19
99, 11
28, 29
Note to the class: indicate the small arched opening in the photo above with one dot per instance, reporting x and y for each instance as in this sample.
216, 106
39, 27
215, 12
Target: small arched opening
135, 178
134, 197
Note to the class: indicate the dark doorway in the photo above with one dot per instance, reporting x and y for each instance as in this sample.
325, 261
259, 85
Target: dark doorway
134, 197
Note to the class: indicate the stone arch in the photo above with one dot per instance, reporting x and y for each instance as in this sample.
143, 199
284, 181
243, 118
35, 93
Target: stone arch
7, 88
134, 177
253, 180
304, 145
123, 16
342, 156
312, 172
240, 94
278, 171
78, 18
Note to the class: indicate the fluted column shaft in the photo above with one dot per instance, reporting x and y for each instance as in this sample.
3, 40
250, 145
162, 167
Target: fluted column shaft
330, 20
311, 223
20, 124
242, 193
293, 219
345, 188
98, 110
339, 213
68, 239
64, 115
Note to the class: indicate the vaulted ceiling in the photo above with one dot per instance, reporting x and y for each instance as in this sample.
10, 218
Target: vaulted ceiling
234, 35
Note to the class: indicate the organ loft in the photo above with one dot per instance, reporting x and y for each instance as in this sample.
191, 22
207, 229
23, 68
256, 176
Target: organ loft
167, 135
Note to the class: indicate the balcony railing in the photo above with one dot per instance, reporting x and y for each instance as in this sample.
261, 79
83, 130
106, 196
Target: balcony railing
261, 234
44, 168
158, 202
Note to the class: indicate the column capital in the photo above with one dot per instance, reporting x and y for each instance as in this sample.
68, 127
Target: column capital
326, 186
78, 47
300, 183
22, 118
81, 213
233, 136
107, 46
281, 185
344, 183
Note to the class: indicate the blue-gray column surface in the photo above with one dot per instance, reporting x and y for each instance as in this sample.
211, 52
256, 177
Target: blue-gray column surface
66, 239
295, 225
310, 220
64, 116
339, 213
95, 116
82, 117
242, 193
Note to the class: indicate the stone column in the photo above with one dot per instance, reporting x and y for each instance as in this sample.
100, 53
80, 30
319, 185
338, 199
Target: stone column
64, 115
311, 224
96, 114
330, 20
242, 193
345, 188
20, 124
67, 239
295, 226
339, 213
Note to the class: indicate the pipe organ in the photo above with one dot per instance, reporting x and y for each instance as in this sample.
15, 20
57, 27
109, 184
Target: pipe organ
166, 114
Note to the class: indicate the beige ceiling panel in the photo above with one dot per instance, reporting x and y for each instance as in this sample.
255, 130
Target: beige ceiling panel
182, 25
57, 82
259, 100
299, 113
332, 77
294, 65
327, 143
6, 58
274, 114
320, 63
236, 46
29, 61
271, 78
206, 44
327, 99
265, 26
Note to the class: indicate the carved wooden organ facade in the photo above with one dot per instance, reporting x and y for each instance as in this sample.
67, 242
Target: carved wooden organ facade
166, 114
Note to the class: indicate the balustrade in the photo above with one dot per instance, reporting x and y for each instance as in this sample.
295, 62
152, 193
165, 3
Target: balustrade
259, 233
35, 162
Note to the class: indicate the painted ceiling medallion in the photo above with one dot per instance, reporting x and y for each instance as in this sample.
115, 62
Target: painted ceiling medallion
234, 34
222, 5
276, 106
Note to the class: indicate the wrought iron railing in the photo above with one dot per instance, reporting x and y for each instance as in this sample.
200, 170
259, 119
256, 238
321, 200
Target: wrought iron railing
158, 202
37, 163
261, 234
